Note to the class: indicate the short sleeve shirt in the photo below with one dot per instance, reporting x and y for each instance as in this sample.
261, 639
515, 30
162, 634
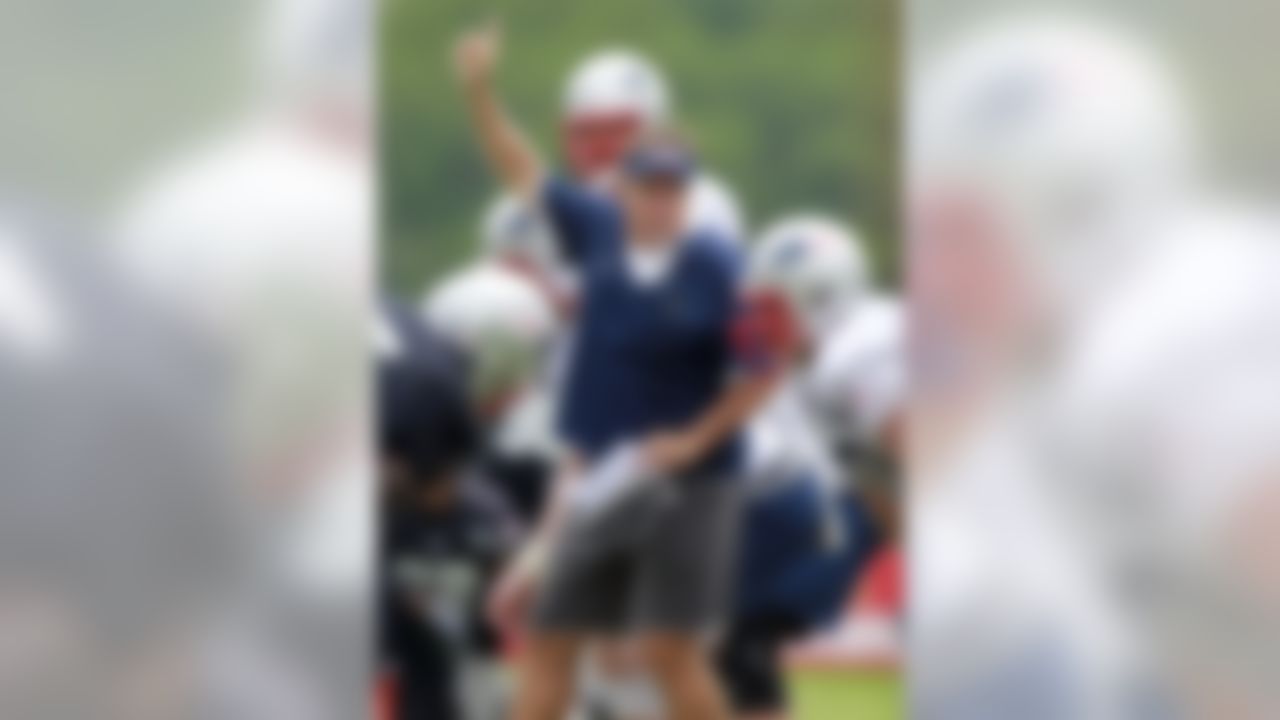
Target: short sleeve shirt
646, 357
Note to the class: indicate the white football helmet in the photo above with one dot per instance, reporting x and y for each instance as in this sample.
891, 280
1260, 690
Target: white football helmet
499, 319
817, 263
618, 81
1061, 134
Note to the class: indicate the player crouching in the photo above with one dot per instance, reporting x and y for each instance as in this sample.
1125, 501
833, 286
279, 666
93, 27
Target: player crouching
823, 455
445, 531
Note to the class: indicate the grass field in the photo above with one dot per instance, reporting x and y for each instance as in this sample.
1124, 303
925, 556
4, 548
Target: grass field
842, 695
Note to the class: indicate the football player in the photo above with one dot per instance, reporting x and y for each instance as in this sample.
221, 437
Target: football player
445, 375
824, 453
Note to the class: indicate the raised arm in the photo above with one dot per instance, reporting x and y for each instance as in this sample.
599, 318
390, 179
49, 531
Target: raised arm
512, 158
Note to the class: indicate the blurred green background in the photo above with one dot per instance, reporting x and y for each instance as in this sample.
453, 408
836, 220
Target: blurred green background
792, 102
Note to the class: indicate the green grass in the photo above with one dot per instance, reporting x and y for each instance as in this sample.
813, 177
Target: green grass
842, 695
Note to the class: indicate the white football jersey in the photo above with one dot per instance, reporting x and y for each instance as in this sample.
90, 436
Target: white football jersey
838, 401
787, 439
859, 377
855, 382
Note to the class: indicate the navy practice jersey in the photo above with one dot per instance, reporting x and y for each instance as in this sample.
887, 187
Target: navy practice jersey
646, 357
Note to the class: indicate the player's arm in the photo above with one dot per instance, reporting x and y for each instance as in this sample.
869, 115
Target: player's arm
509, 153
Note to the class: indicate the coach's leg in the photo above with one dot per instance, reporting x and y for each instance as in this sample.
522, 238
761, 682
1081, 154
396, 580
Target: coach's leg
583, 595
683, 594
547, 671
682, 666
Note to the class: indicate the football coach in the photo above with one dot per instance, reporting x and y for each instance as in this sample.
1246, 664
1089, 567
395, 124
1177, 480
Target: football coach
667, 363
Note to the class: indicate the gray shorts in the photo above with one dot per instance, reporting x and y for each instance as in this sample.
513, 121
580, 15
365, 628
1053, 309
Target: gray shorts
662, 559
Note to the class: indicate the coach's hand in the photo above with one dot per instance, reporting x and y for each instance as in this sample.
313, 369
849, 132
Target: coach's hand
511, 597
477, 53
670, 452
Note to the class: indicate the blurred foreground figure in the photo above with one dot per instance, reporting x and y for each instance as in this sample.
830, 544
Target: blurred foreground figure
261, 237
117, 523
1095, 364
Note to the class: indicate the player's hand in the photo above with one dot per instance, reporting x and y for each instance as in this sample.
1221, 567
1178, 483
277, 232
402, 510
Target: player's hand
671, 452
477, 52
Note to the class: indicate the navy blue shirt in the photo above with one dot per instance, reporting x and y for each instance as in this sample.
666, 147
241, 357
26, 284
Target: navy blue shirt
646, 357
